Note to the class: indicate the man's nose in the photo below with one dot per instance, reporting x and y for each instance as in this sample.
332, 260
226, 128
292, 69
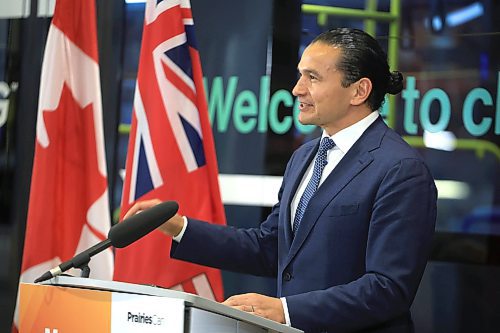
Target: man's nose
298, 89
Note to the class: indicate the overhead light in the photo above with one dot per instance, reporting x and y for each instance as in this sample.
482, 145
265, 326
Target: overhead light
452, 189
437, 23
444, 140
456, 17
464, 15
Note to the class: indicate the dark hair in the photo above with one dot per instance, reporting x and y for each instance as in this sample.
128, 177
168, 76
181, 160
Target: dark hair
361, 57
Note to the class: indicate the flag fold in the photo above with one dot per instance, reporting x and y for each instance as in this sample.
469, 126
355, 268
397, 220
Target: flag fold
171, 154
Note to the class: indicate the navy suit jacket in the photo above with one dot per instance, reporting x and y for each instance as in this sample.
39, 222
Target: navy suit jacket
362, 246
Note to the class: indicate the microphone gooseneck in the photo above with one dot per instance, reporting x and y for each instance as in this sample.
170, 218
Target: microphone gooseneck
120, 235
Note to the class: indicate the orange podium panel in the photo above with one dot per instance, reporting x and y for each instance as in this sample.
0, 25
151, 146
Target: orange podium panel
63, 309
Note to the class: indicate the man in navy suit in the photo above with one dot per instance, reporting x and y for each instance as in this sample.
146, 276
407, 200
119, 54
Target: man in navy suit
349, 238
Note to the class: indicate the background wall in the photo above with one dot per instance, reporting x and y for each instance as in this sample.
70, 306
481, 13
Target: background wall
449, 110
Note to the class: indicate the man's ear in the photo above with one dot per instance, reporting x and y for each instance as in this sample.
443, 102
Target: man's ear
362, 91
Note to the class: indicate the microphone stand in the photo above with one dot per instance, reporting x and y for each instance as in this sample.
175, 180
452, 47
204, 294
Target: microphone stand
80, 261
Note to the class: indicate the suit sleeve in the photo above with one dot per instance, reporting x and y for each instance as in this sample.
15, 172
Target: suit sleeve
399, 240
251, 251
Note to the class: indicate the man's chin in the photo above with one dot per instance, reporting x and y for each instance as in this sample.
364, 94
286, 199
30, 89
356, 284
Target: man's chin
305, 120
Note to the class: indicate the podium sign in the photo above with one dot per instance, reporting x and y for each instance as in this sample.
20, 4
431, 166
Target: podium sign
64, 309
139, 313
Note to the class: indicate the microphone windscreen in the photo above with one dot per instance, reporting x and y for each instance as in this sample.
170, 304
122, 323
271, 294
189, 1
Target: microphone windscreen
140, 224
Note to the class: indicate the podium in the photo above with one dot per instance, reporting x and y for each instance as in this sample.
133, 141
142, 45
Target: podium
79, 305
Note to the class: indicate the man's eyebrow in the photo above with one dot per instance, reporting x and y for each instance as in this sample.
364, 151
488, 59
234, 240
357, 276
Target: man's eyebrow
309, 71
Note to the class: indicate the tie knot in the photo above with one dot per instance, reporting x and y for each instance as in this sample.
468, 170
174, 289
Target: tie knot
326, 145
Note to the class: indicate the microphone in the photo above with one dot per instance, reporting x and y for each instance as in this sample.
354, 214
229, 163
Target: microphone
120, 235
125, 233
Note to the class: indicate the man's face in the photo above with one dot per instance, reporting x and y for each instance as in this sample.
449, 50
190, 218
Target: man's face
323, 100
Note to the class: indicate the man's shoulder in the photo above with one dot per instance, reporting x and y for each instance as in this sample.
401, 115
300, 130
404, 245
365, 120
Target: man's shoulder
385, 144
393, 144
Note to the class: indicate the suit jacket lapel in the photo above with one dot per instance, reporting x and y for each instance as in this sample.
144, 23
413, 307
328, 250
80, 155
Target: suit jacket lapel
296, 175
356, 159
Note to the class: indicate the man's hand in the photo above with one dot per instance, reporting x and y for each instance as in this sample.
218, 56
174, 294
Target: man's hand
171, 227
260, 305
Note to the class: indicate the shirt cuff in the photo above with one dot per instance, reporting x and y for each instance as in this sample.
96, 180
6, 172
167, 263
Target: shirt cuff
178, 238
285, 310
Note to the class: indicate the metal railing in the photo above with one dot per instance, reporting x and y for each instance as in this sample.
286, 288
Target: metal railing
371, 16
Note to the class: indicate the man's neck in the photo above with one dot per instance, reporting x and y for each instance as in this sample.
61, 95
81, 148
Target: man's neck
354, 115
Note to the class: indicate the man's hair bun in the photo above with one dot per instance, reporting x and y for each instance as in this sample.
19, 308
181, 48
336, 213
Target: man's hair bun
395, 83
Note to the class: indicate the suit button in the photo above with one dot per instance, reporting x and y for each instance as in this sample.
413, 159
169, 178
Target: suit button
287, 276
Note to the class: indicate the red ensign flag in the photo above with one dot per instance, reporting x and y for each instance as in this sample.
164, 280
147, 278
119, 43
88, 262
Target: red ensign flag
68, 207
171, 152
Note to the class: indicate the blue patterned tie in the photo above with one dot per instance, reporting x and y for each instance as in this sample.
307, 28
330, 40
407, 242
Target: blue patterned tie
312, 186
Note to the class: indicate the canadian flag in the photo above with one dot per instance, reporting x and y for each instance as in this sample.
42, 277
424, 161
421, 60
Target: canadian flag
68, 208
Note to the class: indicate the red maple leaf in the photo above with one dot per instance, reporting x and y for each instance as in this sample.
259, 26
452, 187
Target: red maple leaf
66, 180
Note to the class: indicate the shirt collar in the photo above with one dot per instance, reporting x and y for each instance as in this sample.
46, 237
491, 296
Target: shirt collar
347, 137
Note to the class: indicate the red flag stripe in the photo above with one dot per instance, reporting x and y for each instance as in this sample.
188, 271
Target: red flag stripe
68, 208
174, 130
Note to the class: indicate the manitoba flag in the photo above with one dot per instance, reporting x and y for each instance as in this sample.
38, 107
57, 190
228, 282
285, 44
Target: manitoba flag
171, 153
68, 206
